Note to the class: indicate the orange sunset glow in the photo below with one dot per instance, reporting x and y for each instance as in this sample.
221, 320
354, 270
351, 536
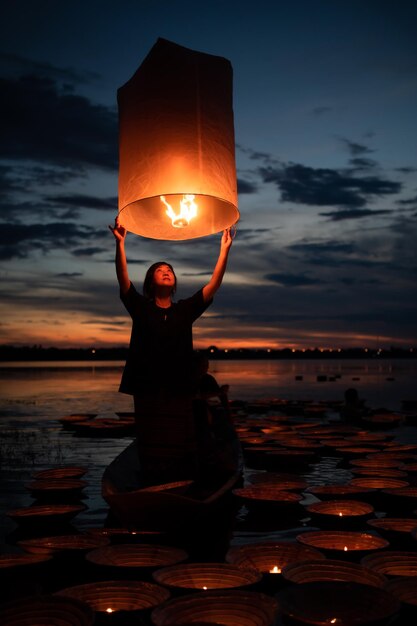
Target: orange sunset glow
76, 330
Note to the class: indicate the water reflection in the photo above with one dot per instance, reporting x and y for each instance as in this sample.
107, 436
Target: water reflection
68, 387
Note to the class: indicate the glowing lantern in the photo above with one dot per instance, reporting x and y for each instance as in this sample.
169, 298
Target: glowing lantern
177, 172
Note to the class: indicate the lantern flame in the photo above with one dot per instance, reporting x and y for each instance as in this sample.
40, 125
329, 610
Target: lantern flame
188, 210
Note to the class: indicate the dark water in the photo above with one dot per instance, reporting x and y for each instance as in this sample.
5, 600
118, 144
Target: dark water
34, 397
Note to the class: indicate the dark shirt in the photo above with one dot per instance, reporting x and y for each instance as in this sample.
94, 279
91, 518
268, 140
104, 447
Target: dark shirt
208, 384
160, 356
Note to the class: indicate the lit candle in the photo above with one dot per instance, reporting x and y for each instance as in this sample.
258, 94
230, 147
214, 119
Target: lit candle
275, 570
345, 549
109, 610
205, 588
340, 514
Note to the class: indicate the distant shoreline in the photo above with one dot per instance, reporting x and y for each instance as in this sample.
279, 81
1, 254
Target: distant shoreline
37, 353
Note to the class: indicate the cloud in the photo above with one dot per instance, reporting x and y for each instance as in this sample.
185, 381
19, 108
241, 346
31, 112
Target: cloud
19, 240
42, 121
256, 155
318, 111
355, 148
27, 179
360, 164
14, 64
406, 170
292, 280
245, 186
323, 247
408, 201
88, 251
354, 214
86, 202
326, 187
69, 275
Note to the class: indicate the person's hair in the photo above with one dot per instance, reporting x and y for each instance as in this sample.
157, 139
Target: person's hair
148, 284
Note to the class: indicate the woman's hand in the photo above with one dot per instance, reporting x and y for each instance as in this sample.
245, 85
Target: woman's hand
227, 239
118, 230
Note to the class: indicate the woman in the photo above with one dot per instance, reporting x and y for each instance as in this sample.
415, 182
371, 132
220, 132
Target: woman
159, 370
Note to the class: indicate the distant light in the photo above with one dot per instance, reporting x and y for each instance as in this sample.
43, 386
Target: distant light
226, 350
93, 351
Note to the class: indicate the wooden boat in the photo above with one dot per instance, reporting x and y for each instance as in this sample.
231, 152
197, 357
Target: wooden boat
170, 505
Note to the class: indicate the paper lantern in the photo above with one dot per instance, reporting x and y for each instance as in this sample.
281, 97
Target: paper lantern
176, 145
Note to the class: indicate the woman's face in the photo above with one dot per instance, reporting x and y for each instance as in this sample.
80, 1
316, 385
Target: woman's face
164, 277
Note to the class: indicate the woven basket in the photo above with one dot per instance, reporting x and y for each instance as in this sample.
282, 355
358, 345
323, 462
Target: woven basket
203, 576
341, 603
229, 608
46, 610
269, 557
332, 569
112, 596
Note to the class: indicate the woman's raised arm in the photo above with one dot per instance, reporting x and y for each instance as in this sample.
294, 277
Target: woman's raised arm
216, 280
122, 273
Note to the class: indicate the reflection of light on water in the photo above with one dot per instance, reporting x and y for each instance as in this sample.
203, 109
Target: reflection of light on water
96, 382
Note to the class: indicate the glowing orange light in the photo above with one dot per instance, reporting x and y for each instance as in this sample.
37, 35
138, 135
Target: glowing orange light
275, 570
205, 588
176, 137
345, 549
340, 514
188, 210
109, 610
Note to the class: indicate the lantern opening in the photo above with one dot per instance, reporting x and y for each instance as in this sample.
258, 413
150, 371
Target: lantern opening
188, 210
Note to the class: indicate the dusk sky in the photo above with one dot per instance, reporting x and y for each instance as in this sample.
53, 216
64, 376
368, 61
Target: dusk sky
325, 110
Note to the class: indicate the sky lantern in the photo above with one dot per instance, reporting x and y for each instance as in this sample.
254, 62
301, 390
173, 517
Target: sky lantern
177, 171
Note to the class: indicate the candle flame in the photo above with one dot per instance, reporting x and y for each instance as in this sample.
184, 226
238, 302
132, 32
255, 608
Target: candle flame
340, 514
205, 588
188, 210
275, 570
109, 610
345, 549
